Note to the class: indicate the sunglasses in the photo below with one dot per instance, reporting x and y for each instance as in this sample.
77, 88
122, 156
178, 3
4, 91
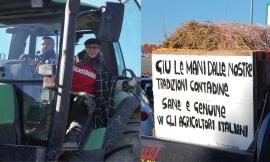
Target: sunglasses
92, 47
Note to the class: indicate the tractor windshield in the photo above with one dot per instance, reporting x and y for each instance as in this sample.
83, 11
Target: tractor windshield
4, 39
23, 47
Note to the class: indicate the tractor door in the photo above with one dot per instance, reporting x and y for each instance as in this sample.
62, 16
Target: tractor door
31, 113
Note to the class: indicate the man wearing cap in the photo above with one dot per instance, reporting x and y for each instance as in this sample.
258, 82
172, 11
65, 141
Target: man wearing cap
105, 80
92, 55
91, 77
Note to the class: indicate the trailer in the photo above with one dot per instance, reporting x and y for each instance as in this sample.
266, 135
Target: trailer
209, 106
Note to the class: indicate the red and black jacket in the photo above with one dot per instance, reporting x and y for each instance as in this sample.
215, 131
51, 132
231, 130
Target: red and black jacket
84, 79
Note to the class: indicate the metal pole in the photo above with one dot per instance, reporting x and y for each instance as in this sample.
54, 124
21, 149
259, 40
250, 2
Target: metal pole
163, 27
225, 9
251, 12
65, 77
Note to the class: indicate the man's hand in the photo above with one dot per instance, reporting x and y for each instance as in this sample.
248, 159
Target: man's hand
75, 60
27, 57
23, 56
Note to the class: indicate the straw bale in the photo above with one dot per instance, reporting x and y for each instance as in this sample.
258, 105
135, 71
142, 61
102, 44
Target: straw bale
219, 36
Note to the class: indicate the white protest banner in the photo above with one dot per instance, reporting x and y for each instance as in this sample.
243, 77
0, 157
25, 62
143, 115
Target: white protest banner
204, 99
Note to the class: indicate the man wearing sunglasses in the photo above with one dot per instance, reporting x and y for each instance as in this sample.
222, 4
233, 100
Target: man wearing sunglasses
92, 55
105, 80
98, 103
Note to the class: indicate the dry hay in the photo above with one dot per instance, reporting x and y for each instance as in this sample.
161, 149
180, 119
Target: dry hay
223, 36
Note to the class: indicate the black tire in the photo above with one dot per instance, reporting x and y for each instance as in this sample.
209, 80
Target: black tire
122, 139
119, 121
127, 149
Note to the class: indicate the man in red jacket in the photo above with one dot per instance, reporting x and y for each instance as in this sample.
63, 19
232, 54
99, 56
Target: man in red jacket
92, 86
84, 79
82, 103
105, 80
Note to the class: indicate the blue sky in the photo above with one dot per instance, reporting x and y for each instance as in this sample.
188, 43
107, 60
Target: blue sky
160, 16
98, 2
102, 2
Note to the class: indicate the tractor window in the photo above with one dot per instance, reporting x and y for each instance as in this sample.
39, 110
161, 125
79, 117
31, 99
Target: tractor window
131, 31
119, 58
24, 47
36, 116
4, 40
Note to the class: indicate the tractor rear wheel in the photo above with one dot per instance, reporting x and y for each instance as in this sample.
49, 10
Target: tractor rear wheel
127, 149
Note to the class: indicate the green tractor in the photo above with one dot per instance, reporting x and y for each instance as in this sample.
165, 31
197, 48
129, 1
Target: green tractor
34, 110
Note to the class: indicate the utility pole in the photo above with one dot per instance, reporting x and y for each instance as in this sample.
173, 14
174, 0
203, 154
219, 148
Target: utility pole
251, 12
225, 9
163, 27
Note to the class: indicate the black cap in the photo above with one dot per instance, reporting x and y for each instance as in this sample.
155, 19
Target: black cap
92, 41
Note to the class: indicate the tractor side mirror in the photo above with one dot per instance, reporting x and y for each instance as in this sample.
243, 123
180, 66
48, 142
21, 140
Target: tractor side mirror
111, 22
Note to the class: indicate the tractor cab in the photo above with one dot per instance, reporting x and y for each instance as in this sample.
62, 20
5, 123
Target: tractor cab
25, 39
35, 96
